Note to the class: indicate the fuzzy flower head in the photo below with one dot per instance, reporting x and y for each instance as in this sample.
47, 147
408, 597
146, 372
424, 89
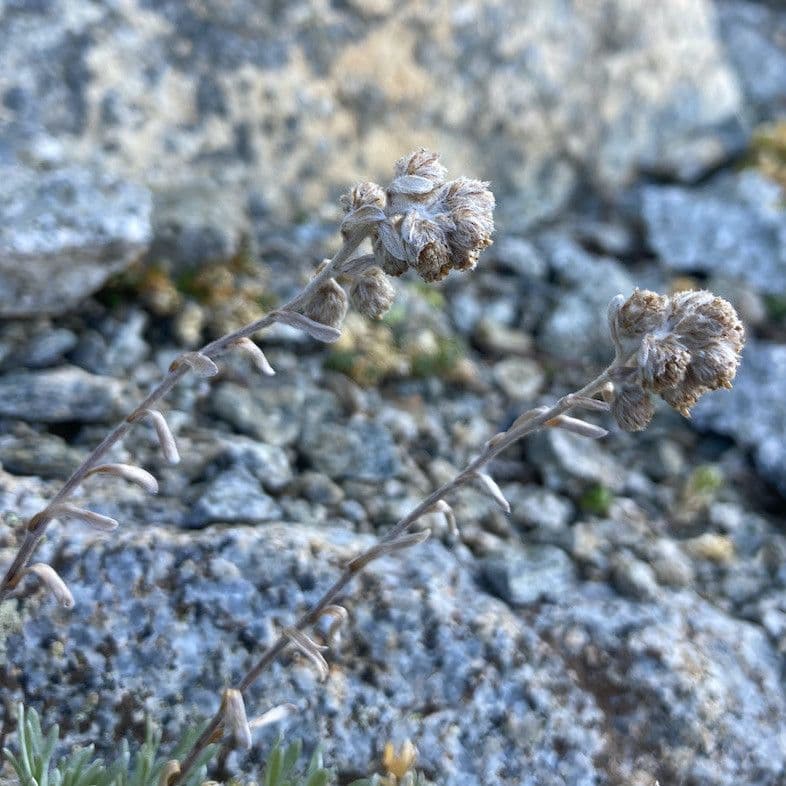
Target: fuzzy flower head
416, 178
688, 344
372, 294
422, 221
328, 305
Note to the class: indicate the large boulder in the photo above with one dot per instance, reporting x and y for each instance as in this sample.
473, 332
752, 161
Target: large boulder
578, 685
63, 233
232, 111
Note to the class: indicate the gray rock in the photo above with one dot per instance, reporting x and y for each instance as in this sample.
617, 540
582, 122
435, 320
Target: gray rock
63, 233
753, 412
521, 256
233, 496
270, 413
34, 345
692, 695
44, 455
633, 578
424, 654
499, 339
559, 454
734, 227
319, 488
60, 395
269, 464
117, 347
754, 34
274, 113
577, 329
540, 508
523, 576
671, 565
521, 379
47, 349
585, 688
357, 450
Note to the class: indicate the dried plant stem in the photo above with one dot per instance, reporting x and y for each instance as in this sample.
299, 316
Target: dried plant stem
37, 525
527, 424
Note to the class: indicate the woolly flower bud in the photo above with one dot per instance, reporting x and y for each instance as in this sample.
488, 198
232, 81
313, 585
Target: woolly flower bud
328, 305
422, 163
426, 245
470, 205
711, 331
389, 249
690, 343
708, 324
643, 312
364, 206
662, 361
372, 294
366, 194
631, 406
417, 176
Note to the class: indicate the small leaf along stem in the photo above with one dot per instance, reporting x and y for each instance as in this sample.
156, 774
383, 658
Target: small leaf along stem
539, 418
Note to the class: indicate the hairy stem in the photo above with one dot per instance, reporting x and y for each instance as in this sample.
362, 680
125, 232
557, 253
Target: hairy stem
539, 418
37, 525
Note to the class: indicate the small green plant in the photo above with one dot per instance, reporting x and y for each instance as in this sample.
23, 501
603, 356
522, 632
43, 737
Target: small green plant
282, 768
596, 500
705, 481
35, 765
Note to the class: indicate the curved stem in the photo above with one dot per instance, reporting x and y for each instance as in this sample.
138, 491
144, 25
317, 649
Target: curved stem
540, 418
37, 525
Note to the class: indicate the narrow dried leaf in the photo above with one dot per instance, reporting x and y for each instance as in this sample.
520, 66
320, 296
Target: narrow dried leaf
615, 304
368, 214
527, 416
391, 240
52, 581
235, 719
257, 356
200, 364
95, 520
168, 773
411, 184
316, 330
450, 516
310, 649
592, 404
339, 616
576, 426
356, 265
496, 440
130, 473
388, 547
165, 438
489, 485
274, 715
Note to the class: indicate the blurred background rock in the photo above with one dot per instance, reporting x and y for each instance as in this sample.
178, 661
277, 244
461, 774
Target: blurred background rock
169, 170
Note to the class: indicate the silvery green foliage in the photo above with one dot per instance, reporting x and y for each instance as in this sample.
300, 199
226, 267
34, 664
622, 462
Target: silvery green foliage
282, 768
35, 761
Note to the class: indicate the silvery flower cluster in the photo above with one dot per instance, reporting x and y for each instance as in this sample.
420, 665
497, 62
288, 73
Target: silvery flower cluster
680, 347
424, 221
